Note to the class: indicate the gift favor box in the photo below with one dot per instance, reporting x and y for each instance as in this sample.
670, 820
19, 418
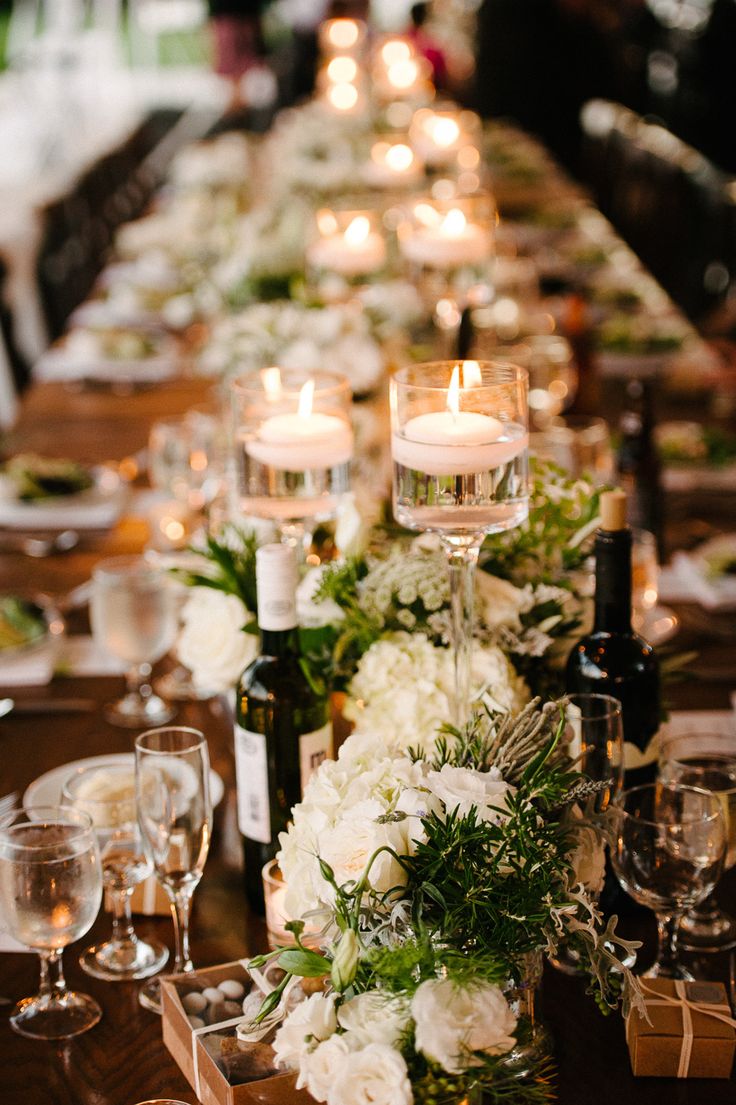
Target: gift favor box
690, 1032
221, 1069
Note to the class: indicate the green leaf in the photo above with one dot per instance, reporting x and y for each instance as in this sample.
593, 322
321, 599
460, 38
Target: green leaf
306, 964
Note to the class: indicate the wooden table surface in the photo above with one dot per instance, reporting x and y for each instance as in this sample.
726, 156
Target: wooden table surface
122, 1060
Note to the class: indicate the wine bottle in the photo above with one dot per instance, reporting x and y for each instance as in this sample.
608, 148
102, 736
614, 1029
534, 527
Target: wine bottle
637, 461
283, 727
613, 659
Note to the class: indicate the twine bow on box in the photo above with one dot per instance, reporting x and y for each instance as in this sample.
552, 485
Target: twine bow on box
719, 1010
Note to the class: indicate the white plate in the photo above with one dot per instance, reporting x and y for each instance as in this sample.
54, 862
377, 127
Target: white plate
96, 508
46, 790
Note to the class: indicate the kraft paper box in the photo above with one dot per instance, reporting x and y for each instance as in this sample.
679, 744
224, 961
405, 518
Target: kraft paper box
691, 1034
269, 1086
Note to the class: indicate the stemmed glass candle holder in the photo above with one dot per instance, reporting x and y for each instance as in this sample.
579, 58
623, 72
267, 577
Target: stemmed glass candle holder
668, 853
439, 133
106, 791
175, 815
392, 164
348, 249
706, 760
50, 892
293, 443
459, 446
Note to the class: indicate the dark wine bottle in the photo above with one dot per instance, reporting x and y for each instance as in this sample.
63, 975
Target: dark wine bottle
637, 461
612, 658
283, 727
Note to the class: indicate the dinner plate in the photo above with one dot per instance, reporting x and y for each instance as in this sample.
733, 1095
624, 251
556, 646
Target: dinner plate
46, 790
98, 507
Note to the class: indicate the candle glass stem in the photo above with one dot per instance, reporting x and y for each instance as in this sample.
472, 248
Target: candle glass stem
462, 553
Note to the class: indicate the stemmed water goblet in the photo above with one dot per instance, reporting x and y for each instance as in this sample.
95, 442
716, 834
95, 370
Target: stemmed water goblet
175, 817
667, 853
106, 791
133, 612
459, 446
706, 760
50, 893
293, 444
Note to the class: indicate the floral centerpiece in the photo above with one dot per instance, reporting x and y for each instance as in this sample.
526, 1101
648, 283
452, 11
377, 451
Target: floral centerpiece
439, 875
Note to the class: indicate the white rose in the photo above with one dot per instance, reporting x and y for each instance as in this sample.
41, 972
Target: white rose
315, 614
351, 530
377, 1075
352, 842
312, 1021
373, 1018
319, 1068
462, 788
502, 602
212, 643
452, 1022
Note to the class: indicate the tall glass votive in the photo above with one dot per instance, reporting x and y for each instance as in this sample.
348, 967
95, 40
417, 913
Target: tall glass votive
459, 443
440, 132
392, 164
347, 250
341, 36
293, 444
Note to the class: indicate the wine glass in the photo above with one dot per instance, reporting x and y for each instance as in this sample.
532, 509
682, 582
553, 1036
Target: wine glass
106, 791
50, 893
186, 457
668, 853
175, 816
134, 616
708, 761
595, 741
459, 446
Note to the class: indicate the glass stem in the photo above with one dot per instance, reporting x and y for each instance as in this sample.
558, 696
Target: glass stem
667, 926
137, 680
52, 983
462, 559
295, 534
181, 904
122, 921
705, 912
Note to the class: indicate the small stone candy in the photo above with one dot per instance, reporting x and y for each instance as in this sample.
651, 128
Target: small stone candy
232, 1009
212, 995
232, 989
196, 1022
194, 1002
215, 1013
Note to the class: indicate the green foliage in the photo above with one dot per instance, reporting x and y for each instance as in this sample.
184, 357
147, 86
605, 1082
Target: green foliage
230, 566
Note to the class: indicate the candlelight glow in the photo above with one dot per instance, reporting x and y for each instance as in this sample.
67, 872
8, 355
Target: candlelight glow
453, 392
395, 51
306, 399
342, 70
403, 74
198, 460
358, 230
326, 222
468, 157
454, 223
443, 131
343, 96
399, 157
472, 377
426, 214
172, 529
61, 916
271, 380
343, 33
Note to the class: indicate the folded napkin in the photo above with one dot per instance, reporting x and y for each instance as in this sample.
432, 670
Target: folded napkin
29, 669
97, 508
78, 655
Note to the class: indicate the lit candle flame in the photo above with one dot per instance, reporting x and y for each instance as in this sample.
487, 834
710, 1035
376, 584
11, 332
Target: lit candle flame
271, 380
343, 96
343, 33
443, 131
426, 214
399, 157
403, 74
326, 222
306, 399
453, 392
342, 70
395, 50
472, 377
358, 230
453, 223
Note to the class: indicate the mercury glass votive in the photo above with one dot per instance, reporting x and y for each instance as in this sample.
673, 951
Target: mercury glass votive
459, 443
293, 442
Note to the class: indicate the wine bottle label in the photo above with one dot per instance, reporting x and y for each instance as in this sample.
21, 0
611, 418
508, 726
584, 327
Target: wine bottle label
276, 580
251, 773
313, 749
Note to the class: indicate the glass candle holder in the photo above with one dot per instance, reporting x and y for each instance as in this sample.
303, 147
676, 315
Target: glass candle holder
348, 249
293, 444
553, 375
277, 917
459, 444
447, 246
392, 164
438, 134
341, 36
399, 73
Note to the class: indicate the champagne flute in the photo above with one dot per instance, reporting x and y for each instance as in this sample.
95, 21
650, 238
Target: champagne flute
668, 853
106, 791
595, 741
175, 816
134, 617
50, 893
706, 760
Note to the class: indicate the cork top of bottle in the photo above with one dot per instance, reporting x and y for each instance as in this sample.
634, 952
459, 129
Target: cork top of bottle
613, 510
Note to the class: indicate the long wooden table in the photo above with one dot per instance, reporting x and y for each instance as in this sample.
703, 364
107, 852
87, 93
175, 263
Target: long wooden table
122, 1060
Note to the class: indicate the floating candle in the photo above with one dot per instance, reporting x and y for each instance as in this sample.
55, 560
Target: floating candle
297, 442
446, 242
392, 165
358, 250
